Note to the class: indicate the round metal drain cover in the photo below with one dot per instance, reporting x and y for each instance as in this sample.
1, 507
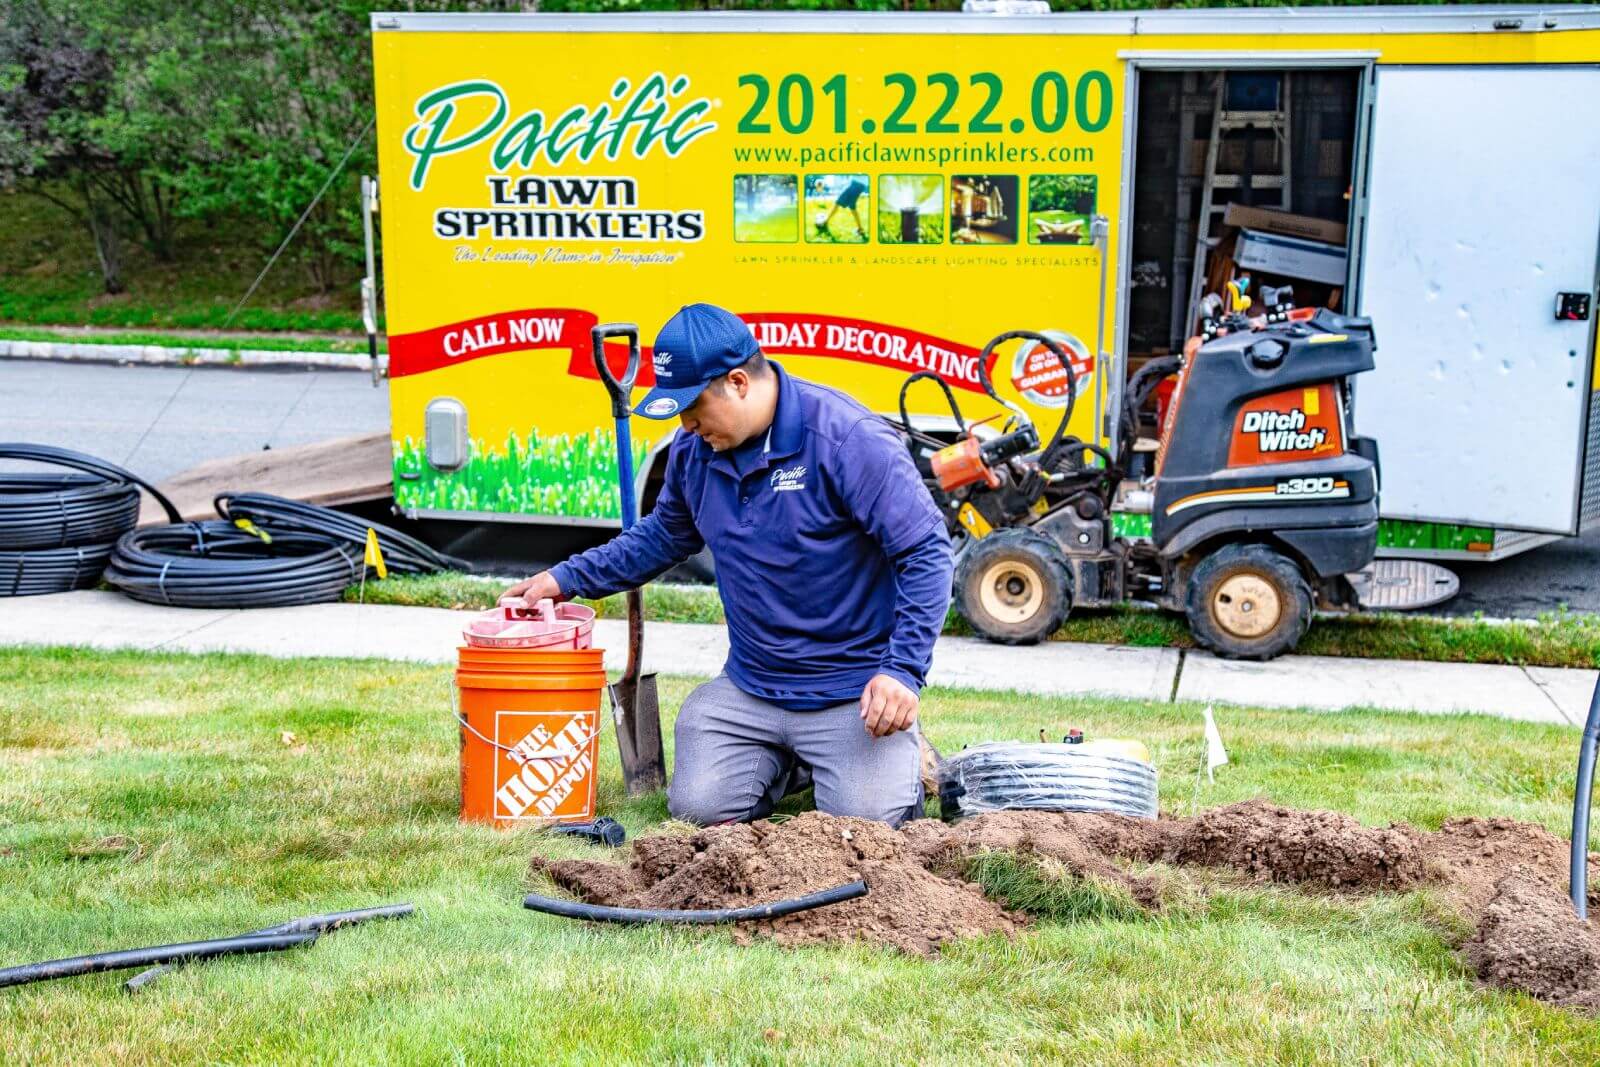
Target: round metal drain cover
1403, 585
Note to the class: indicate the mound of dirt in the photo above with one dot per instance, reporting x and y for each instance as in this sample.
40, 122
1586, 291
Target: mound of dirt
1467, 858
1504, 876
1084, 844
1530, 939
1320, 848
909, 906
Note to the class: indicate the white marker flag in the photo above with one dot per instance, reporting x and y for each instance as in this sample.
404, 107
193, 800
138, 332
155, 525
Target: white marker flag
1216, 755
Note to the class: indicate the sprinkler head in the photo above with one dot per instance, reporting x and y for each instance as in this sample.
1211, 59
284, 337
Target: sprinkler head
908, 225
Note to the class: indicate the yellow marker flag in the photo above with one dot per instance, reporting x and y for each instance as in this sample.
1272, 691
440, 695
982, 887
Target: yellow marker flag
374, 556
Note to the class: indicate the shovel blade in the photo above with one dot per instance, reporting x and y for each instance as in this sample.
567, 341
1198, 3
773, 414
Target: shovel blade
636, 711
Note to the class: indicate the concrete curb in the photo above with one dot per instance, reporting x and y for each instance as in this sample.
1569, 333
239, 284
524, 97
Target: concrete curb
1060, 668
176, 356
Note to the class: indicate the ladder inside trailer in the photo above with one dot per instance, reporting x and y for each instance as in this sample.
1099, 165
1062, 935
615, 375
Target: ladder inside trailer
1247, 106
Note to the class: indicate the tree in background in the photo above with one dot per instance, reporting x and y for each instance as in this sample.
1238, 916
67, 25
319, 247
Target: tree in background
73, 131
288, 91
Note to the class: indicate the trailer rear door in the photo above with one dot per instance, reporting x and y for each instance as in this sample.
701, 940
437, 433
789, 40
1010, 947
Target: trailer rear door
1483, 206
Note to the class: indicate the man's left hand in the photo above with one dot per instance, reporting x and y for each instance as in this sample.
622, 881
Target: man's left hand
887, 706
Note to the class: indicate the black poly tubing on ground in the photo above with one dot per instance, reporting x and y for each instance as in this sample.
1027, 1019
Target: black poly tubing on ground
144, 957
314, 924
56, 530
52, 570
402, 553
64, 511
1000, 776
215, 564
572, 909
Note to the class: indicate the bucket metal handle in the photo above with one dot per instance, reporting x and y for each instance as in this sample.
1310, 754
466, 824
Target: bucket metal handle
455, 709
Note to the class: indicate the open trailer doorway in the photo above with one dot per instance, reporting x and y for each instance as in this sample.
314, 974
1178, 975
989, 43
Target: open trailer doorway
1236, 170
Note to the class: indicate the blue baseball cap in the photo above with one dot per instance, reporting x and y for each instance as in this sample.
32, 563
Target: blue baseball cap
699, 343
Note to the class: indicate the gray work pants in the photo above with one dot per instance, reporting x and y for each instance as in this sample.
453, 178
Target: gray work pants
737, 755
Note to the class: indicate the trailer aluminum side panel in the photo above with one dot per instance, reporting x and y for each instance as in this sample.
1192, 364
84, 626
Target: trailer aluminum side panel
1484, 204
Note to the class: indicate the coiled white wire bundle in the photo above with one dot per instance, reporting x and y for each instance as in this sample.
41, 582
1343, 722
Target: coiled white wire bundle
1009, 775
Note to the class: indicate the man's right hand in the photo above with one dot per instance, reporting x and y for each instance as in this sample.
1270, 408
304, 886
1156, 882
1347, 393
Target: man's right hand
541, 586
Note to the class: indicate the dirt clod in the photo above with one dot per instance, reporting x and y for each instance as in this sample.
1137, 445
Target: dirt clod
1530, 939
1319, 848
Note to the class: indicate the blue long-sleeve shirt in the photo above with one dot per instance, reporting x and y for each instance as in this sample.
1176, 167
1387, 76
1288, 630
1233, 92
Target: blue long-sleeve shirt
832, 561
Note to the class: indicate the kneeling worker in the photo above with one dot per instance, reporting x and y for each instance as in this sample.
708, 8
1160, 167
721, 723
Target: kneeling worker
834, 569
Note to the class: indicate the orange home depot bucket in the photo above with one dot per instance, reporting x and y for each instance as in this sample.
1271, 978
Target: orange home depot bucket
530, 733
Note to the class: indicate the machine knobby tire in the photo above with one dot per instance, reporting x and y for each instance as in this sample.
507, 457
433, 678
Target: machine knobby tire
1248, 602
1014, 587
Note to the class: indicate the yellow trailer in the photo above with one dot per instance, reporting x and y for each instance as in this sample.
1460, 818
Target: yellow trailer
880, 194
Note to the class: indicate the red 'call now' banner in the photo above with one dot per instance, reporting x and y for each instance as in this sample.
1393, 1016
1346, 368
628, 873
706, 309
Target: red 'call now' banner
778, 333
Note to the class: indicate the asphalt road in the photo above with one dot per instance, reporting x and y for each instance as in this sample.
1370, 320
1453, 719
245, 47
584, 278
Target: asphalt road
158, 421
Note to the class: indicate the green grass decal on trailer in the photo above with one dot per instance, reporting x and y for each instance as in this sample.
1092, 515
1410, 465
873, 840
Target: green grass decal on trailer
1441, 536
557, 475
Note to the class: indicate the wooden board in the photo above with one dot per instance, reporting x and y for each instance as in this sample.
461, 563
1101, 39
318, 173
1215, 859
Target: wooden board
342, 471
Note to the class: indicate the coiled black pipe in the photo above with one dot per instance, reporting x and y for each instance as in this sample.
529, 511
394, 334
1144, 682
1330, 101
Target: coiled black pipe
215, 564
1046, 777
105, 471
52, 570
572, 909
57, 530
62, 510
1582, 798
144, 957
402, 553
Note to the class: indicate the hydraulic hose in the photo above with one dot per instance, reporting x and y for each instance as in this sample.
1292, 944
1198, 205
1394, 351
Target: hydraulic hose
144, 957
402, 553
1582, 799
949, 396
216, 564
572, 909
1148, 378
1056, 350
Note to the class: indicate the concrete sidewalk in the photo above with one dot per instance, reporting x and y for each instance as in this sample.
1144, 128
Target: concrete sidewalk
1534, 694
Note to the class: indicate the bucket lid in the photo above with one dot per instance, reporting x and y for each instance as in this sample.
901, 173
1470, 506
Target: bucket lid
513, 624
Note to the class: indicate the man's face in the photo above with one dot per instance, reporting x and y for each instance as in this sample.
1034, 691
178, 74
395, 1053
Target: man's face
719, 416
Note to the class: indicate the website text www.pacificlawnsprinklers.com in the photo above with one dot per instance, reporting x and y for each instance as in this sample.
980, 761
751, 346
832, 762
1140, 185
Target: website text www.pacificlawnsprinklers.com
940, 155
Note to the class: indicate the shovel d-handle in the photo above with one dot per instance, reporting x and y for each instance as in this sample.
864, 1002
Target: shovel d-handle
621, 389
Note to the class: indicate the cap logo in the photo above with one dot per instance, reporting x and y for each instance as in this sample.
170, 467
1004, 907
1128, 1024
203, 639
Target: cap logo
661, 405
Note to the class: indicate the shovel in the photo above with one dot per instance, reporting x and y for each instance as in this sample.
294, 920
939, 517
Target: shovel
635, 709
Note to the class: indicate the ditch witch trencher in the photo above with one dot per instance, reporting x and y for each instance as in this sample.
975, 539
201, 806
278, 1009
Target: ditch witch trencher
636, 711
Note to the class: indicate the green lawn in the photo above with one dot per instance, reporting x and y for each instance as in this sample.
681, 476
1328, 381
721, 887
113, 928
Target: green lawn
150, 798
48, 275
1557, 639
841, 229
771, 227
925, 192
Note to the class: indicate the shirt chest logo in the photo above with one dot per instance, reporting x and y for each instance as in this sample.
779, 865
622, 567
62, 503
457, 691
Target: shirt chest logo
786, 479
